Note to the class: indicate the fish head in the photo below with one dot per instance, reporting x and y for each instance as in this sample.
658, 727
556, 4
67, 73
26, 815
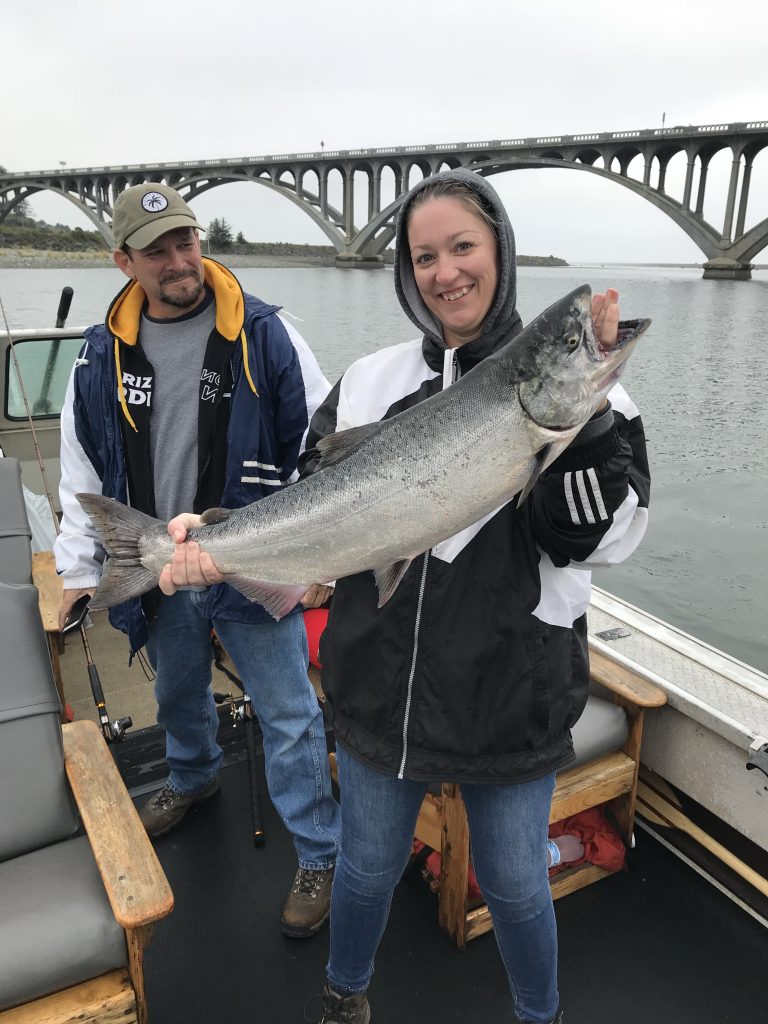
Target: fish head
564, 373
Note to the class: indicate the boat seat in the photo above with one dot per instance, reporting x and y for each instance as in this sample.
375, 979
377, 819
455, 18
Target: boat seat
80, 885
606, 741
15, 532
602, 728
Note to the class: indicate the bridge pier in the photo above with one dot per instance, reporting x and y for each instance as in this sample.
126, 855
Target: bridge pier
723, 269
354, 261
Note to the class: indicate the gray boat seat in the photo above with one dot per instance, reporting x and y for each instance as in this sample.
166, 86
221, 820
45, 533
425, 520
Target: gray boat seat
68, 916
57, 928
602, 728
56, 925
36, 808
15, 532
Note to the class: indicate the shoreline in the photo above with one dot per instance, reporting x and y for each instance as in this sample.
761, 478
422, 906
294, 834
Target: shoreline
50, 259
91, 259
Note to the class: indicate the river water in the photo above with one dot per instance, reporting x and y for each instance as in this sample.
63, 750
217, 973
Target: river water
699, 377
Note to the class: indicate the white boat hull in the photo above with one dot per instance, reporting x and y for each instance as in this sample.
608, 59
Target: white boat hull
715, 719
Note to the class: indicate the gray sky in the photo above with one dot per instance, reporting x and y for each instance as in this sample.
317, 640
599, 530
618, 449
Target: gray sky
93, 82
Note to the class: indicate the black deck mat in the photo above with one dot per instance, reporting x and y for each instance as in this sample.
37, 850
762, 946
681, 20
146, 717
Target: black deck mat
141, 755
655, 945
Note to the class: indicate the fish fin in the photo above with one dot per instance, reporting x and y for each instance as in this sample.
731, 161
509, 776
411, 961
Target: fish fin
388, 577
120, 530
277, 598
215, 515
335, 447
544, 458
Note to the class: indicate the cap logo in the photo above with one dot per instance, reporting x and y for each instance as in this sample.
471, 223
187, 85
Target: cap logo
153, 202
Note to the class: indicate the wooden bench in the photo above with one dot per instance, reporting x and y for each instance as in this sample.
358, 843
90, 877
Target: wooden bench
611, 779
50, 590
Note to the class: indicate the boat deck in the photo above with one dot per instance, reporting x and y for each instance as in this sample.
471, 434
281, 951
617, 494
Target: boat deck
654, 944
658, 943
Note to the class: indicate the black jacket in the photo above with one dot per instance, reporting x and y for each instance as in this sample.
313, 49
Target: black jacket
477, 668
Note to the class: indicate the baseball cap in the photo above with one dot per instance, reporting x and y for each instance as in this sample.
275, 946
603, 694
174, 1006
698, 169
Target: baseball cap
144, 212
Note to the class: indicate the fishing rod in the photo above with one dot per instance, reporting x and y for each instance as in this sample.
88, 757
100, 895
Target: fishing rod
242, 713
114, 731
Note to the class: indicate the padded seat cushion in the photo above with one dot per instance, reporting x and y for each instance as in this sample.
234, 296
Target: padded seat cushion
36, 807
56, 925
602, 728
15, 532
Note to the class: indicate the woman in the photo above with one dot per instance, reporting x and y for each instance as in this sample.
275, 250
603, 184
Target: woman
476, 669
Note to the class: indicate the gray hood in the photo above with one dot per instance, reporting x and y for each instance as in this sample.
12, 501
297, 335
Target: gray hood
503, 320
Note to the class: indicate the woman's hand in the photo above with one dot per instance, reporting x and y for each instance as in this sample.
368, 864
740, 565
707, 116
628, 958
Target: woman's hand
605, 316
190, 566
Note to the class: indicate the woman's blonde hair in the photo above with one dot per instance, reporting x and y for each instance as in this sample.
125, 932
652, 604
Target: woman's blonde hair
446, 189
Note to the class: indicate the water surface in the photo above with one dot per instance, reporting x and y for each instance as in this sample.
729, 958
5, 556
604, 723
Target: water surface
699, 377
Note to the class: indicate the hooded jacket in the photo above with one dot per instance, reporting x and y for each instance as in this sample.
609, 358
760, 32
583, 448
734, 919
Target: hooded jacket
476, 668
259, 386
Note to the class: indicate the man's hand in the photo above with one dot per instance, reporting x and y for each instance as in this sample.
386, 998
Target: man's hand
190, 567
317, 595
68, 600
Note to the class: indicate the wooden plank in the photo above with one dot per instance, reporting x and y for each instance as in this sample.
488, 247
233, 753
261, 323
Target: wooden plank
454, 864
49, 589
565, 882
658, 809
624, 681
590, 784
136, 885
105, 1000
479, 920
49, 592
429, 827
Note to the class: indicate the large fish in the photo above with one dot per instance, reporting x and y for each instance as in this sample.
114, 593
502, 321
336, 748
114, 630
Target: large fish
386, 492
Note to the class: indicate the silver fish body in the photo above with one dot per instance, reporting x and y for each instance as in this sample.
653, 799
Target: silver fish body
389, 491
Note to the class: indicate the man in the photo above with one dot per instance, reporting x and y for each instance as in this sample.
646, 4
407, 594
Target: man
193, 394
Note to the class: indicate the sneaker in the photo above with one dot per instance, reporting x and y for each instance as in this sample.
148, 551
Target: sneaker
309, 903
338, 1009
167, 807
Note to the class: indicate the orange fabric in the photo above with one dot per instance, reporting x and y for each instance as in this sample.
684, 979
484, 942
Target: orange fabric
602, 847
314, 622
602, 844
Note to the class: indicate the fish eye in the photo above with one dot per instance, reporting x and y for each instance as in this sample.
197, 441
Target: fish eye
573, 341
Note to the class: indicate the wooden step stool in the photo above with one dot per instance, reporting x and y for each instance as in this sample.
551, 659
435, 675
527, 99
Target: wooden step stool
612, 778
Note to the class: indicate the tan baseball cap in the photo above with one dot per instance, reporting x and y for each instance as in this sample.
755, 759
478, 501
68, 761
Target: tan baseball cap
144, 212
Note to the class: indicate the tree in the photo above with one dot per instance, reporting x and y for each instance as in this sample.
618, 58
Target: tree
23, 209
219, 235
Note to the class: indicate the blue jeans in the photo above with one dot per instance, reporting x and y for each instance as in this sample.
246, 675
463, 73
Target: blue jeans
508, 827
271, 659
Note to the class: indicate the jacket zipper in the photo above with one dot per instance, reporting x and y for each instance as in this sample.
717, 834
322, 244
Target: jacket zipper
409, 695
448, 378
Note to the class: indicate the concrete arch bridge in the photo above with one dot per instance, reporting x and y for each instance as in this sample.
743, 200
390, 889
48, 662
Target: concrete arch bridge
306, 180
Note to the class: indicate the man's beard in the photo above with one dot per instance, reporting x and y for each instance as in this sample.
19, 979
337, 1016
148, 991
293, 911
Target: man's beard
185, 299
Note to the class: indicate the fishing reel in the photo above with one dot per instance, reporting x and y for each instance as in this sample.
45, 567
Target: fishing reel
114, 732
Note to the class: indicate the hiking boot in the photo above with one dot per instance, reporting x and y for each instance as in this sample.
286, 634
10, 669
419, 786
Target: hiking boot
309, 903
338, 1009
167, 807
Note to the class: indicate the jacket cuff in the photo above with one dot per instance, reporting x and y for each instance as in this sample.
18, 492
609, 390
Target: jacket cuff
597, 442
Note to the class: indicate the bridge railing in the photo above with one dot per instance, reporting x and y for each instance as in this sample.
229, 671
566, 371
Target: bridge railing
435, 148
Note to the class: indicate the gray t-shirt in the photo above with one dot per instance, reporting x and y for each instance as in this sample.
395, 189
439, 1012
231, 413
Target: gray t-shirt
176, 350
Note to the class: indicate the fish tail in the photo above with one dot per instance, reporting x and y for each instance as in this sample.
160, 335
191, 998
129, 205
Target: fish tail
121, 530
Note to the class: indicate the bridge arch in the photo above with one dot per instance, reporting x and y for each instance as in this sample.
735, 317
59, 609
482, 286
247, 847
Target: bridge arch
661, 151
